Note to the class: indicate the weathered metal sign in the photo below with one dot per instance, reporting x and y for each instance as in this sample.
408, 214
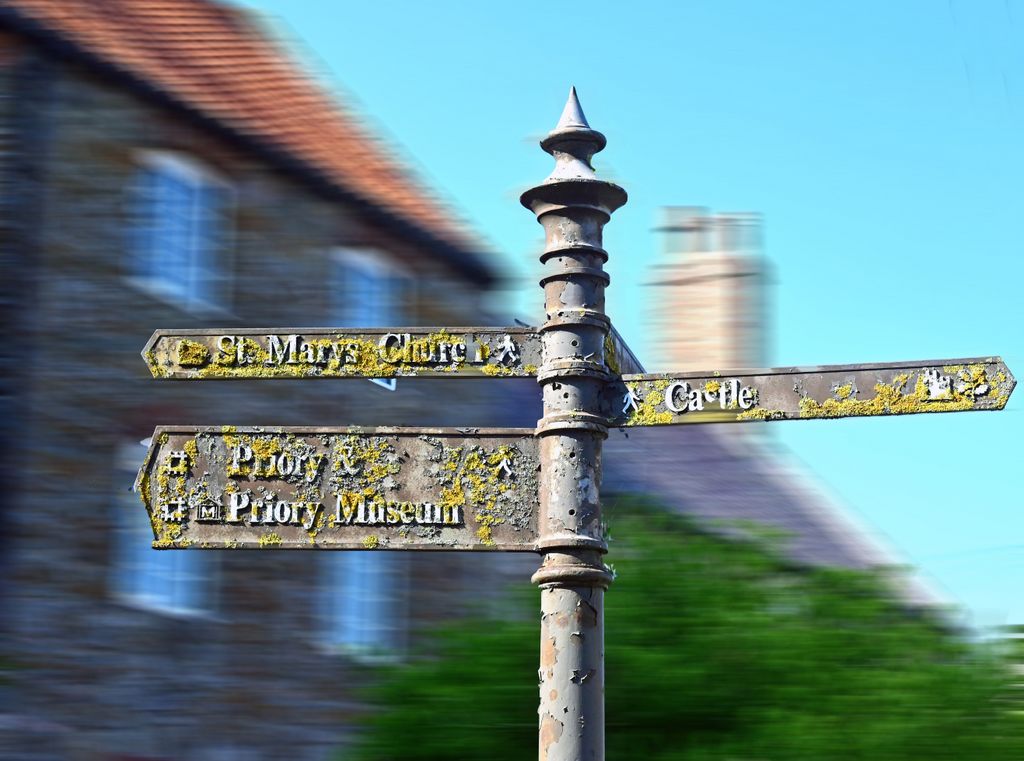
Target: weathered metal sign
341, 353
618, 356
354, 488
808, 393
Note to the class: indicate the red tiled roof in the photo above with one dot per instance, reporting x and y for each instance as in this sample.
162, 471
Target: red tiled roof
213, 59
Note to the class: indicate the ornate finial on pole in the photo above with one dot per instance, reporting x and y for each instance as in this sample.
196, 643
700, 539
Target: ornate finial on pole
573, 121
572, 114
573, 144
573, 205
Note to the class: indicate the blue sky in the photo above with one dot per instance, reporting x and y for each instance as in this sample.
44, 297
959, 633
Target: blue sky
881, 141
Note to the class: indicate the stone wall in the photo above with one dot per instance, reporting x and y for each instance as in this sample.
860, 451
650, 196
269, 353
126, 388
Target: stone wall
91, 676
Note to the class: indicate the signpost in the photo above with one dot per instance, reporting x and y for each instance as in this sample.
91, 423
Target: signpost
809, 393
496, 489
234, 353
352, 488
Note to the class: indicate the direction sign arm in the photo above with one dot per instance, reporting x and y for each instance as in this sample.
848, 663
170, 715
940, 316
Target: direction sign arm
261, 353
344, 488
810, 393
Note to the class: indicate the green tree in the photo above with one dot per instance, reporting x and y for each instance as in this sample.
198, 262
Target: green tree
716, 651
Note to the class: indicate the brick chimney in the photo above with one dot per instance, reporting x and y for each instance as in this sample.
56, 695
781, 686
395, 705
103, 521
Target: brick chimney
710, 294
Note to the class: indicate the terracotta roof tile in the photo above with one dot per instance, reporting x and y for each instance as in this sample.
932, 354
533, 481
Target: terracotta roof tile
214, 59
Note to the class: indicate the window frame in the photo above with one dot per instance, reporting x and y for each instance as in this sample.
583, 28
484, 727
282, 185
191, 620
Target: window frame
332, 595
192, 172
379, 265
391, 613
131, 525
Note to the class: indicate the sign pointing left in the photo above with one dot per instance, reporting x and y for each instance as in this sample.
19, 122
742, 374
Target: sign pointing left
342, 353
343, 488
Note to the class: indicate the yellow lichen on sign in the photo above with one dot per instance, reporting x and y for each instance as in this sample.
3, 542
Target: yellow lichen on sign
761, 413
368, 465
476, 479
192, 354
505, 371
294, 487
374, 459
893, 399
154, 366
265, 447
646, 412
611, 358
170, 486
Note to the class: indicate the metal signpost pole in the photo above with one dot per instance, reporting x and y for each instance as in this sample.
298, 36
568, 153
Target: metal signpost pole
573, 206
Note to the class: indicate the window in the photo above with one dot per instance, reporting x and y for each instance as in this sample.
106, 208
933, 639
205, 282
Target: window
168, 581
368, 291
179, 240
364, 602
364, 595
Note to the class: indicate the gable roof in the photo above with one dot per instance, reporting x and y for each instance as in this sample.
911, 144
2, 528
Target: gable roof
212, 60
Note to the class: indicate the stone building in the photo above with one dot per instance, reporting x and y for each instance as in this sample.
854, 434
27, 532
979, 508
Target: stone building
165, 165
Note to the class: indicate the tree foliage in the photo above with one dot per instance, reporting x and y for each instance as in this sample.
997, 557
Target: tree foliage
716, 651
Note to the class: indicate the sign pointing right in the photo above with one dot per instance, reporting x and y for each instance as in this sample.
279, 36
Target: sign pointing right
808, 393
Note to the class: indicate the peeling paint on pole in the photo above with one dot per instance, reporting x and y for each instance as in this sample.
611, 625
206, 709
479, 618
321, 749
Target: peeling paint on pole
354, 488
810, 393
573, 205
246, 353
